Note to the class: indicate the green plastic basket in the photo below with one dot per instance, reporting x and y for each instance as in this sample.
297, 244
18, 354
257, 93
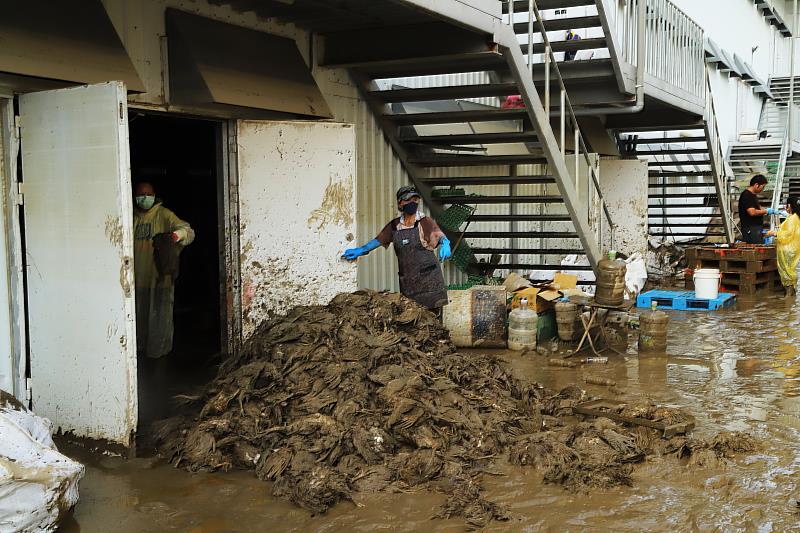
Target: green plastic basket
449, 191
463, 256
455, 215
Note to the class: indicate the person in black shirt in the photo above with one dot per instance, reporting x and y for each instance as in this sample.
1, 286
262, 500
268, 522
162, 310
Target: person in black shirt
751, 214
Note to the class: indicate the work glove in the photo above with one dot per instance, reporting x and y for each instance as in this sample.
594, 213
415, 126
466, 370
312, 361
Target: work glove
354, 253
783, 213
175, 237
445, 252
769, 240
771, 211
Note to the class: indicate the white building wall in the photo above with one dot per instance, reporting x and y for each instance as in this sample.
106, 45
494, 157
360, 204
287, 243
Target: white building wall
737, 26
624, 187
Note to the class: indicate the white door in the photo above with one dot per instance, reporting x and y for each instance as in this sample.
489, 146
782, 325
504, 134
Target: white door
296, 215
79, 249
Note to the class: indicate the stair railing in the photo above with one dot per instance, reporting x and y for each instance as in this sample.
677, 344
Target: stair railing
598, 214
780, 174
717, 158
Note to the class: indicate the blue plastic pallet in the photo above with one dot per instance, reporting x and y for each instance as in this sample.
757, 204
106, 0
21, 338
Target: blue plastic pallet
684, 300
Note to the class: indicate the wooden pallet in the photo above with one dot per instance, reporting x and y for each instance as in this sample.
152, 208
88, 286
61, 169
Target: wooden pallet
737, 265
750, 252
749, 283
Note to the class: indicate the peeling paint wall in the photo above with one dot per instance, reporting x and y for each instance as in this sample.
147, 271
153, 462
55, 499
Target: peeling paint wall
624, 187
296, 215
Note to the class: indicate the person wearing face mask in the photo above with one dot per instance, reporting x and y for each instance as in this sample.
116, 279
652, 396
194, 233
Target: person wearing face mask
415, 238
155, 293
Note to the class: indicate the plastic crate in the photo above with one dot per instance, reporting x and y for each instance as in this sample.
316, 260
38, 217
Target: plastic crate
455, 215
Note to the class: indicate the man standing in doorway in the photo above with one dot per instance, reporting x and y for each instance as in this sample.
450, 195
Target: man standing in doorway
751, 214
155, 225
415, 238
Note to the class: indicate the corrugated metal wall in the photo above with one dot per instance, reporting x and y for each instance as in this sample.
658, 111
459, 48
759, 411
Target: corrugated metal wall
379, 175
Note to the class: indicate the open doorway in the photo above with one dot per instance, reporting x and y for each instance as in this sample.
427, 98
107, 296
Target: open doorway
178, 156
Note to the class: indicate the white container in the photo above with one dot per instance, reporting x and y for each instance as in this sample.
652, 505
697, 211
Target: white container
522, 327
706, 283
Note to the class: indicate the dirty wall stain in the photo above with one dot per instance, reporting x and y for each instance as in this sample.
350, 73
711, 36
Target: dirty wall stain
336, 205
114, 231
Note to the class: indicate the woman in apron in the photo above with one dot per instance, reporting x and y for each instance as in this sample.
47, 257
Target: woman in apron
415, 238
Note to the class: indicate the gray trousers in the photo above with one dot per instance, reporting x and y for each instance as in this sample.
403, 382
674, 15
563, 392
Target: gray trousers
154, 320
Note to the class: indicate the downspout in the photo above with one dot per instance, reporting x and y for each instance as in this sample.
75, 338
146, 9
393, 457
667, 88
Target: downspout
641, 58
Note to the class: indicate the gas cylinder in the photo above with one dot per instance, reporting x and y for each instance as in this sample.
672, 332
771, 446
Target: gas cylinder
522, 327
611, 281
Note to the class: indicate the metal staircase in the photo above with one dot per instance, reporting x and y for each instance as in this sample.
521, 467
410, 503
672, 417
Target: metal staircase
511, 163
771, 154
689, 189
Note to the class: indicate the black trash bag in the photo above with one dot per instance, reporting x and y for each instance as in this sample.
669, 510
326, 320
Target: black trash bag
166, 253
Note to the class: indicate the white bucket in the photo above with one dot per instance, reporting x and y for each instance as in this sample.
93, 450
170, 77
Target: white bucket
706, 283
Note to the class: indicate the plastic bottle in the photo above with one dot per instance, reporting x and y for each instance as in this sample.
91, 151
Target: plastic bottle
522, 327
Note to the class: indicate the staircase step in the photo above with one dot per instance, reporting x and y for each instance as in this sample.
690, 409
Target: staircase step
664, 140
709, 225
521, 6
683, 234
500, 200
678, 163
489, 180
527, 251
533, 266
456, 117
521, 235
450, 160
675, 127
673, 151
678, 173
571, 71
568, 46
679, 185
683, 195
427, 94
423, 66
520, 218
560, 24
715, 214
473, 138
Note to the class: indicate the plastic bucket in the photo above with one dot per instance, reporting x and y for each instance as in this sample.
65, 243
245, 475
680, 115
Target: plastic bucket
706, 283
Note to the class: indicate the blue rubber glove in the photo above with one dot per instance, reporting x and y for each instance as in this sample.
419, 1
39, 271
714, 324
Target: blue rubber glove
769, 240
445, 252
771, 211
354, 253
783, 213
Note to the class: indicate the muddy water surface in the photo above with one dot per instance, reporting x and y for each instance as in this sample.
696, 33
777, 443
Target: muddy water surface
738, 369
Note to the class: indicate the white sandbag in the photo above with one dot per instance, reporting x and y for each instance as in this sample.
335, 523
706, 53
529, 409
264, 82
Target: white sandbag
38, 485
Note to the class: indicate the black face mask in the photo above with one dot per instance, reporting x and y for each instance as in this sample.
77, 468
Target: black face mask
410, 208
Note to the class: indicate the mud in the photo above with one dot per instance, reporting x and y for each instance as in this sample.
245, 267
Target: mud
736, 371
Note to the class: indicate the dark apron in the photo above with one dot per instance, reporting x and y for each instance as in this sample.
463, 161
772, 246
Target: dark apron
421, 278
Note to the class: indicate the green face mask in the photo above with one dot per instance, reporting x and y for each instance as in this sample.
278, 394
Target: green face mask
145, 202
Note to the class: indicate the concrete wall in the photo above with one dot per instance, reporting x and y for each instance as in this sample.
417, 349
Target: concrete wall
624, 187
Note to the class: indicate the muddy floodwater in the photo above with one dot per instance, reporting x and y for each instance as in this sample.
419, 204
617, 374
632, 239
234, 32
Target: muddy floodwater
736, 370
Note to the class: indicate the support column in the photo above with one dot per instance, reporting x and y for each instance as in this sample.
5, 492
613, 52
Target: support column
624, 186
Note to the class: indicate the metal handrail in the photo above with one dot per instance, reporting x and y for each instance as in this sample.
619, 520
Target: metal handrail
565, 111
675, 43
717, 156
780, 175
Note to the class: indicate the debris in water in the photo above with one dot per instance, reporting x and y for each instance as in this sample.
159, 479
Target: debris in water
561, 362
594, 380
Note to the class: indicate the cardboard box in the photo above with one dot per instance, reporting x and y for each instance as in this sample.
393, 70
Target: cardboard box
540, 299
